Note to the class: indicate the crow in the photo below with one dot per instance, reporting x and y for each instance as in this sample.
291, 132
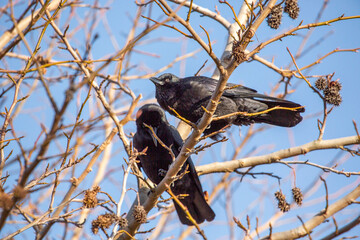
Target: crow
157, 160
188, 95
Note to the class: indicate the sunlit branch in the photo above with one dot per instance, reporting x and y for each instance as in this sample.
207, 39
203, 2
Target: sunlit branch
319, 218
278, 155
300, 27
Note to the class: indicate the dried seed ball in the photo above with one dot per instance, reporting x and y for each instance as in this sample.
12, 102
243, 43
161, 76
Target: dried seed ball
332, 93
331, 90
336, 85
123, 222
237, 52
321, 83
139, 214
333, 98
103, 221
90, 200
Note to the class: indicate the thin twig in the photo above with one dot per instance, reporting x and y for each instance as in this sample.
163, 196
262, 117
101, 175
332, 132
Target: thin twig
326, 194
192, 220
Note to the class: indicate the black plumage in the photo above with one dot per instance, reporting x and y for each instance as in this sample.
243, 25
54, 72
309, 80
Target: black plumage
158, 159
187, 95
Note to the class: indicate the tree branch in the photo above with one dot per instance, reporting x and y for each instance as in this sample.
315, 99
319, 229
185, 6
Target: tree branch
230, 166
318, 218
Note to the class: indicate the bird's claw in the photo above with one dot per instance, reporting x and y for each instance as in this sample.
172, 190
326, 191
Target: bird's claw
152, 190
162, 172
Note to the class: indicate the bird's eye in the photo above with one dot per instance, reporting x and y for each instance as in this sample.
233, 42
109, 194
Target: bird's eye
167, 80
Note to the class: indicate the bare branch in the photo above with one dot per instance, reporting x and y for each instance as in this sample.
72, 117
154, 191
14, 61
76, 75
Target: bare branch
276, 156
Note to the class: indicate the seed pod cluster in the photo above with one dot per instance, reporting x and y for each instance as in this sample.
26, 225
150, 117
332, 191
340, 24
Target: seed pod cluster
103, 221
90, 200
331, 90
291, 7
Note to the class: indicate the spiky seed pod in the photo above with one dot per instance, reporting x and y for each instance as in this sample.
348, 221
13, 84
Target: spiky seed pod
292, 8
297, 195
139, 214
90, 200
333, 98
282, 204
335, 86
123, 222
321, 83
274, 18
103, 221
94, 227
330, 91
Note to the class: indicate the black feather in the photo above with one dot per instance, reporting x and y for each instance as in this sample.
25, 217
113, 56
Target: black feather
158, 158
188, 95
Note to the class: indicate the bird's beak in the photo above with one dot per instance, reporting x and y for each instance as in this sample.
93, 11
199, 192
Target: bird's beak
156, 81
152, 135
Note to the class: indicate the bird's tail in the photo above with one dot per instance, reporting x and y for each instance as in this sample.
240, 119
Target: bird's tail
281, 117
198, 208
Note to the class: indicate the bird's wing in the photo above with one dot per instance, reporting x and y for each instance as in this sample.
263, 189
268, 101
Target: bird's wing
238, 91
194, 175
233, 90
178, 143
209, 84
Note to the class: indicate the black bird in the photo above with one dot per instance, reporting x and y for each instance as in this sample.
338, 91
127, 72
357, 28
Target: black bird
187, 95
158, 159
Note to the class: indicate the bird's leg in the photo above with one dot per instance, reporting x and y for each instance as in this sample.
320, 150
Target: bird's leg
162, 173
181, 174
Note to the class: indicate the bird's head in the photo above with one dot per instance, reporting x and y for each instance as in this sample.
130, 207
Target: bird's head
150, 116
164, 79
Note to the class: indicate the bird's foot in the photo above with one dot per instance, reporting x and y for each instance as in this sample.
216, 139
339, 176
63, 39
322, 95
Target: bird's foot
162, 172
152, 190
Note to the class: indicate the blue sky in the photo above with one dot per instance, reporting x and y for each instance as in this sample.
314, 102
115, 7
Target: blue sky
160, 47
